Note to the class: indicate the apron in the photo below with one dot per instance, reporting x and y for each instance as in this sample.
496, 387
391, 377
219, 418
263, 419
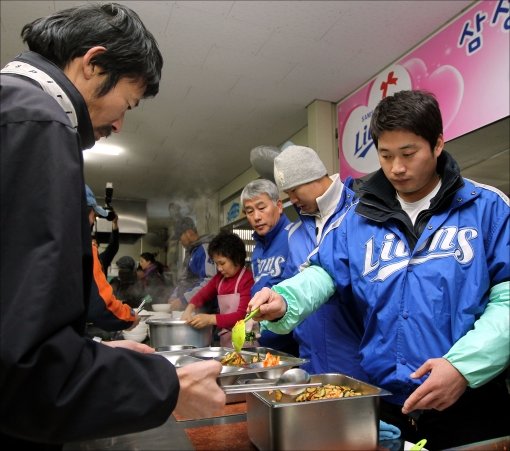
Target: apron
228, 303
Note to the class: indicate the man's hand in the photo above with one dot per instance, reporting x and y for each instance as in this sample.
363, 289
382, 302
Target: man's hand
201, 320
200, 395
135, 322
130, 344
272, 305
443, 387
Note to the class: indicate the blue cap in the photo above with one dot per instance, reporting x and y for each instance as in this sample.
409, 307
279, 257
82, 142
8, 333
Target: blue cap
91, 202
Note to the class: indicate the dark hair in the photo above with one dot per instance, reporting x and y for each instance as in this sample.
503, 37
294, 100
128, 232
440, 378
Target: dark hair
229, 245
131, 50
149, 257
414, 111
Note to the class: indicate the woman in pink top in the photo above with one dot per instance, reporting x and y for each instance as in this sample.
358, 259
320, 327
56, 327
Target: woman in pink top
231, 285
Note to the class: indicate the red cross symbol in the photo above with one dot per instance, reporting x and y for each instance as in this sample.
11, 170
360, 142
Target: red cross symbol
391, 80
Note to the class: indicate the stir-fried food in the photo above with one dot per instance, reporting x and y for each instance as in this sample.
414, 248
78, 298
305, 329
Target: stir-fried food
326, 391
236, 359
271, 360
233, 359
323, 392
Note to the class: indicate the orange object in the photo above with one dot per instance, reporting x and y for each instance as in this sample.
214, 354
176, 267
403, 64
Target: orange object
271, 360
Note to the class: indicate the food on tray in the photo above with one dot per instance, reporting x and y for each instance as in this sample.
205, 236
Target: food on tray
322, 392
271, 360
233, 359
236, 359
327, 391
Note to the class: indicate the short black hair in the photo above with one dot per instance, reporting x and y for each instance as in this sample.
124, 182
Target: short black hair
229, 245
414, 111
148, 257
131, 50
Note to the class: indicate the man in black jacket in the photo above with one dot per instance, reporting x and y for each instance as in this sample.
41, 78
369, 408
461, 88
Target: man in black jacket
86, 67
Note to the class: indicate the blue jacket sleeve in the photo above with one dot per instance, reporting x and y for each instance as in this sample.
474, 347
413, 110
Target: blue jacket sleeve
304, 293
483, 352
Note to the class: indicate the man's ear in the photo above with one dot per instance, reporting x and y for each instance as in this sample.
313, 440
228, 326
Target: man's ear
89, 68
439, 146
279, 204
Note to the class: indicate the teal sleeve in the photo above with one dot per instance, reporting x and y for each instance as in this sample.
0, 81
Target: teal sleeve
304, 293
484, 352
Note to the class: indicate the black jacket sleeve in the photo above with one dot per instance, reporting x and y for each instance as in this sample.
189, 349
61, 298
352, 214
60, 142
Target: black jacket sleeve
106, 257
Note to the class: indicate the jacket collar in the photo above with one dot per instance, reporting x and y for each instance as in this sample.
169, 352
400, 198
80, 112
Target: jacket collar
85, 129
269, 236
378, 192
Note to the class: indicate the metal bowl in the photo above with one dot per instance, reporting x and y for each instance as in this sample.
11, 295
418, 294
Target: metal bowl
179, 360
169, 332
268, 372
229, 375
212, 352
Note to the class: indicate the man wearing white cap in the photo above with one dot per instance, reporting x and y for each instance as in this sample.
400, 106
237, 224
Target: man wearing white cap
330, 337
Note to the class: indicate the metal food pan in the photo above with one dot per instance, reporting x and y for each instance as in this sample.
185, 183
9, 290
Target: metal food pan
179, 360
212, 352
271, 372
256, 369
328, 424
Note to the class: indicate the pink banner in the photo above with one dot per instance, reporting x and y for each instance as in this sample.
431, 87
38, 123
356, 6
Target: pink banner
465, 64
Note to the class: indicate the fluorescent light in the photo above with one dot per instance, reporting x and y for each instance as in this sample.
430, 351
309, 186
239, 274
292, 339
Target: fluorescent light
106, 149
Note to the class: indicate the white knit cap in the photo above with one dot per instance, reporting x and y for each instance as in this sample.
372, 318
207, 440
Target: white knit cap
297, 165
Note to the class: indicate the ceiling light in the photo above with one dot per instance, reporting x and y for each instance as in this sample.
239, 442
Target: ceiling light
106, 149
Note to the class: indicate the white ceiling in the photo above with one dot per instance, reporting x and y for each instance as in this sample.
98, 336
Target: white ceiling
239, 74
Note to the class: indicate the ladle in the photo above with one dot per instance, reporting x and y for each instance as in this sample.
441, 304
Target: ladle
239, 331
292, 382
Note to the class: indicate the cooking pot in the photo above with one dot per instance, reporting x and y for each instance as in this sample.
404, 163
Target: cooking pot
169, 332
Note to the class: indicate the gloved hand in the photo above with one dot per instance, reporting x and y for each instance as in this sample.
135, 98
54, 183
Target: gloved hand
388, 431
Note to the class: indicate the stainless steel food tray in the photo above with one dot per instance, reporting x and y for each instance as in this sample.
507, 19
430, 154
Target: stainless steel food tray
286, 361
349, 423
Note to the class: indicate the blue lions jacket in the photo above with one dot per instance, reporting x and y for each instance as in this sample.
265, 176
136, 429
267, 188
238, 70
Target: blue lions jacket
420, 288
270, 255
330, 337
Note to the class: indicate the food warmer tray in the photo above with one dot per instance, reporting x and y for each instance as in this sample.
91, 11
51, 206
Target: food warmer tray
187, 356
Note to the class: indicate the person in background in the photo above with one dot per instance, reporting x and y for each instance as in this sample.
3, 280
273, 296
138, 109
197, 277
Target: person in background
329, 338
264, 211
108, 254
87, 65
425, 255
139, 273
152, 280
197, 268
126, 285
105, 311
231, 285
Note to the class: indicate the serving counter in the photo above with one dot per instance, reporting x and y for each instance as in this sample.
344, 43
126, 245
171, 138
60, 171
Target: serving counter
227, 432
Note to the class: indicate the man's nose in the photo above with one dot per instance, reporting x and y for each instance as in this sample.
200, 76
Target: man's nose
117, 125
398, 166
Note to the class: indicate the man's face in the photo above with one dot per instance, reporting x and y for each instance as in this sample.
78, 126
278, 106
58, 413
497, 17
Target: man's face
262, 213
107, 112
409, 163
187, 238
305, 196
